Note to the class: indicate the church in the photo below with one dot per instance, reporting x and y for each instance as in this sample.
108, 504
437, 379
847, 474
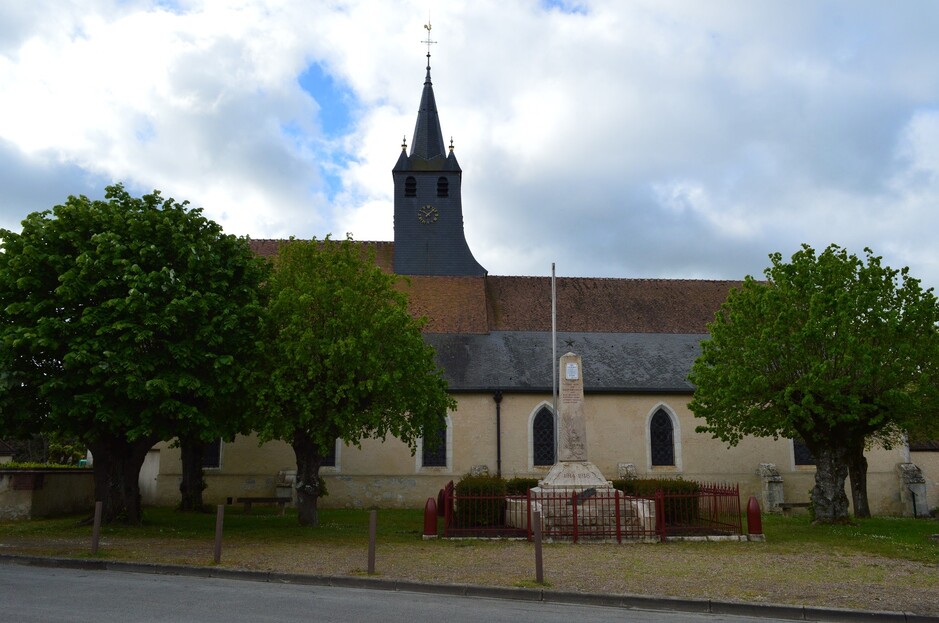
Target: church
638, 339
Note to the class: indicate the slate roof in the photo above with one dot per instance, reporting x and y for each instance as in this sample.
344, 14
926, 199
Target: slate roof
427, 142
521, 360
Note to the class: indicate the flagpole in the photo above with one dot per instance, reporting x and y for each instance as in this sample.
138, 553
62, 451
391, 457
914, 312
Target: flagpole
554, 356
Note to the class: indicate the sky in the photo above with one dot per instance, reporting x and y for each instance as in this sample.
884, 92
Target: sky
615, 138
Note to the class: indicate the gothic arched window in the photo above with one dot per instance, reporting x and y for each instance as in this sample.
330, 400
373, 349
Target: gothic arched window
542, 438
662, 439
443, 187
410, 186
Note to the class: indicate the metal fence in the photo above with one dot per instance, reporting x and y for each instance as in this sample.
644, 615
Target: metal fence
594, 514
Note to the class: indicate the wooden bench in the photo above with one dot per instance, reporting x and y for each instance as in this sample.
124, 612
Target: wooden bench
248, 501
788, 506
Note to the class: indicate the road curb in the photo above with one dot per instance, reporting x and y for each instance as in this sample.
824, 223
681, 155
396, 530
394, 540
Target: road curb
636, 602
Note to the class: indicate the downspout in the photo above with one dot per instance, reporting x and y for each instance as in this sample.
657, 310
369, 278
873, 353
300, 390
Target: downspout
498, 399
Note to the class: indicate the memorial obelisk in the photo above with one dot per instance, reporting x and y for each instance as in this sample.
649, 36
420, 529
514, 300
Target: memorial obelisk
572, 470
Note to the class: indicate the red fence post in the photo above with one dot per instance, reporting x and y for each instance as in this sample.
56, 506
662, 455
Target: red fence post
574, 514
528, 510
619, 530
430, 519
754, 521
660, 513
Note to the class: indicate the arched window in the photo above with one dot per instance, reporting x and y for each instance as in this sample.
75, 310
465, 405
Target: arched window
434, 447
443, 187
542, 438
662, 439
410, 186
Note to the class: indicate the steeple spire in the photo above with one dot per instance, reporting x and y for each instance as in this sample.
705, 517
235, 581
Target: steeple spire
428, 139
428, 207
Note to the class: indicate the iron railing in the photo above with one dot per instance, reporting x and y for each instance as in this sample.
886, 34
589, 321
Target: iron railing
594, 514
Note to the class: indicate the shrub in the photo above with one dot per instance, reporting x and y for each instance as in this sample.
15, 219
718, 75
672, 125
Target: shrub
480, 501
37, 465
520, 486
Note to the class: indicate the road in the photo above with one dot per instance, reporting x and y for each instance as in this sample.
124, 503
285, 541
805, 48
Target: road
48, 595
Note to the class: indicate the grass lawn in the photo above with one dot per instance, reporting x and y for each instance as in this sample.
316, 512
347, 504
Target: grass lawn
891, 537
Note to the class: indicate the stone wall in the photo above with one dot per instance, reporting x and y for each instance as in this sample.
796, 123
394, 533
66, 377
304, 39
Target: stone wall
27, 494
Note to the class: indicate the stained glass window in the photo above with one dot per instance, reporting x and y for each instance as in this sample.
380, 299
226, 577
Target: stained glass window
542, 438
662, 436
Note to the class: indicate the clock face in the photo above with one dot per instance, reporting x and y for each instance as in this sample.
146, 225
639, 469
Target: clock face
427, 214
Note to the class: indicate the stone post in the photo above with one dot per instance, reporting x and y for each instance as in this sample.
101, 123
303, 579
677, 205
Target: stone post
772, 487
912, 490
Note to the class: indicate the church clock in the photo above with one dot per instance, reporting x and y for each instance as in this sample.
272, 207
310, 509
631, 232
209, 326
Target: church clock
427, 214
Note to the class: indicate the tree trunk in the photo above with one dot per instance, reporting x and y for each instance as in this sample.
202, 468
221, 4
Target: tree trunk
857, 470
308, 478
191, 451
829, 502
117, 465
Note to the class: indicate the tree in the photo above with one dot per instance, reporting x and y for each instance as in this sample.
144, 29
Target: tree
124, 321
344, 360
831, 349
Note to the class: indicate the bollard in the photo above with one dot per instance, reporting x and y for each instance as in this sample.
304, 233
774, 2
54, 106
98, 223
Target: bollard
372, 529
96, 529
539, 561
430, 519
219, 523
754, 521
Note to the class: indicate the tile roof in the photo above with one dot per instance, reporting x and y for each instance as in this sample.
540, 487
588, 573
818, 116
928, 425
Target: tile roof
605, 305
584, 304
451, 304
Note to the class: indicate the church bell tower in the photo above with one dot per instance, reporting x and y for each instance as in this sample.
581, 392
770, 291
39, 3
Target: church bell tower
428, 214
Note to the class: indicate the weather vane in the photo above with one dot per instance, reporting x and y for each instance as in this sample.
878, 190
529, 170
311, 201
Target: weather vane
428, 27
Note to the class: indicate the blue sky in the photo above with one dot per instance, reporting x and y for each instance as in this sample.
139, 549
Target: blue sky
649, 138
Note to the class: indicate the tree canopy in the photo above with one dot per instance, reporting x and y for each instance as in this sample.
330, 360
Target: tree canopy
832, 349
126, 322
344, 359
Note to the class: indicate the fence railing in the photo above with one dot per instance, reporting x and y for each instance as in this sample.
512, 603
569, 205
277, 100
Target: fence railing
595, 514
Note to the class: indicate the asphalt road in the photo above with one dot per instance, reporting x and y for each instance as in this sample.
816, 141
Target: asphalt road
37, 594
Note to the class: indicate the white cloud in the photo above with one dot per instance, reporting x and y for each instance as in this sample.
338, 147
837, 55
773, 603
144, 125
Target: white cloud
650, 138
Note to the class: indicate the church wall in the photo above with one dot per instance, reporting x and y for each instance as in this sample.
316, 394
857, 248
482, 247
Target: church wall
385, 474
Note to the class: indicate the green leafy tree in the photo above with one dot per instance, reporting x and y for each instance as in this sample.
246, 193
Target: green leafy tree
124, 321
344, 360
834, 350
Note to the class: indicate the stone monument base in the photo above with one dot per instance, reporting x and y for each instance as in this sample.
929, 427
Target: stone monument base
583, 474
579, 488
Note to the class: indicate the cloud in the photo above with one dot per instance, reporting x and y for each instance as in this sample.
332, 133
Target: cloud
648, 139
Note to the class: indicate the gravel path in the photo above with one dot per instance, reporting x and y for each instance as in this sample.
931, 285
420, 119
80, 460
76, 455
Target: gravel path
748, 572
